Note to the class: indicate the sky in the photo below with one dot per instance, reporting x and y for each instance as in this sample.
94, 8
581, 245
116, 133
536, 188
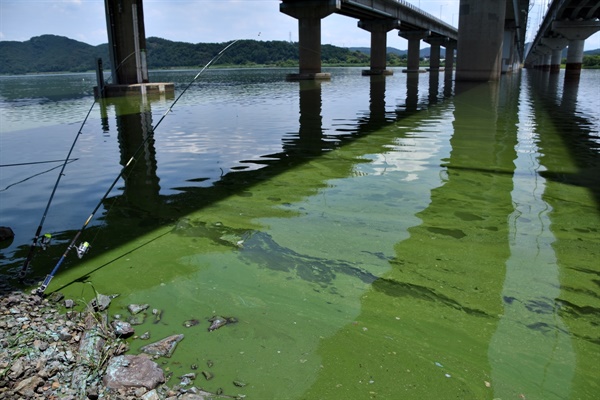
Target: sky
211, 21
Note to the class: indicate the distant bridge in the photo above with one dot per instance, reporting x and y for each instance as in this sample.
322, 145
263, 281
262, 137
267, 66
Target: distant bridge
566, 23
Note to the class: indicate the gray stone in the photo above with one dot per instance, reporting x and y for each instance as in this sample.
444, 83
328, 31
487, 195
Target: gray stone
28, 386
122, 329
133, 371
151, 395
164, 347
101, 302
137, 308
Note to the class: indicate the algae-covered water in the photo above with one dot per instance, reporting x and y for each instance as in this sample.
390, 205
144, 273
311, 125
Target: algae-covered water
401, 237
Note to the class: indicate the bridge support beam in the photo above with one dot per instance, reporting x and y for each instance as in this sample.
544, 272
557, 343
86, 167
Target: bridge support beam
127, 50
480, 36
126, 41
309, 14
414, 48
449, 62
434, 53
556, 45
576, 32
508, 48
379, 30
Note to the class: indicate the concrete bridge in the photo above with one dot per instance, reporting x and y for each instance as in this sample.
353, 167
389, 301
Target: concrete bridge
566, 23
377, 17
490, 38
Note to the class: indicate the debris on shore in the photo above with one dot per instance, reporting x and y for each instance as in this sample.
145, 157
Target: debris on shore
46, 354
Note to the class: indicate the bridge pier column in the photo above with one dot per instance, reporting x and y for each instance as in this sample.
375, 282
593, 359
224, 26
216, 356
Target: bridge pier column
126, 41
434, 53
379, 30
127, 51
309, 14
508, 48
480, 35
576, 32
556, 45
449, 61
414, 48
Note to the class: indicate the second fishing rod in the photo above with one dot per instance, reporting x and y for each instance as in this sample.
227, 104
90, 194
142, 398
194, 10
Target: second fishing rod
84, 247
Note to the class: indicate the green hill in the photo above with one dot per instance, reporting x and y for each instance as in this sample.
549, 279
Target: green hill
51, 53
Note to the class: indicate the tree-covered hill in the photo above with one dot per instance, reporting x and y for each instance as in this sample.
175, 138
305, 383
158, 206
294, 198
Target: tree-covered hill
51, 53
48, 53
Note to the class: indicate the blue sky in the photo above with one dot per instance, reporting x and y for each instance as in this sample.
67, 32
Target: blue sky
196, 21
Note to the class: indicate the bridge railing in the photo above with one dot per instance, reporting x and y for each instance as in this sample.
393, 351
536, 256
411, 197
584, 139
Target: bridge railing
418, 10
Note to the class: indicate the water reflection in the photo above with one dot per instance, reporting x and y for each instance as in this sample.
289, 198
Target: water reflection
530, 352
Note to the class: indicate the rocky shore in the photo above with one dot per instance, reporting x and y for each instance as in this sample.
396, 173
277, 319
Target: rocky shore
49, 353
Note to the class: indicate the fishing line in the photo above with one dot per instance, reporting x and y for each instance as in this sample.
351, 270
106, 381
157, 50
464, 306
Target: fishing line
36, 162
47, 237
38, 174
84, 247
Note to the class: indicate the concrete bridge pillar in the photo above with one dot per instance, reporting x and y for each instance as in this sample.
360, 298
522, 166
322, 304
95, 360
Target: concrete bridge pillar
434, 52
576, 32
126, 41
449, 62
414, 48
379, 30
309, 14
556, 45
508, 49
480, 36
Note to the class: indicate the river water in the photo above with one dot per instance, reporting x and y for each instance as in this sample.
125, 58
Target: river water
399, 237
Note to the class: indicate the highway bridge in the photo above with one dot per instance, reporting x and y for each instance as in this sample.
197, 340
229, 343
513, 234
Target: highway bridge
489, 40
567, 23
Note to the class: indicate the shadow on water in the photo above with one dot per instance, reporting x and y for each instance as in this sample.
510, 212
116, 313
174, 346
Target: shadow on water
140, 208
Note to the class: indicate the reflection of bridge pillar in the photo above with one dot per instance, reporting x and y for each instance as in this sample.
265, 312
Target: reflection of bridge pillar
309, 15
556, 45
414, 48
379, 30
480, 35
134, 125
377, 100
310, 135
576, 32
412, 92
434, 54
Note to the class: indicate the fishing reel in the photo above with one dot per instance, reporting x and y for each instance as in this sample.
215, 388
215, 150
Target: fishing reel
82, 249
44, 243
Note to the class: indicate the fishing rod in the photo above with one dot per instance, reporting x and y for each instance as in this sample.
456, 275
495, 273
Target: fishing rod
47, 237
85, 246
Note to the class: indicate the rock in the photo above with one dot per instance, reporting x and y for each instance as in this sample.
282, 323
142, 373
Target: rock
122, 329
164, 347
6, 233
28, 386
137, 308
151, 395
101, 302
133, 371
218, 321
